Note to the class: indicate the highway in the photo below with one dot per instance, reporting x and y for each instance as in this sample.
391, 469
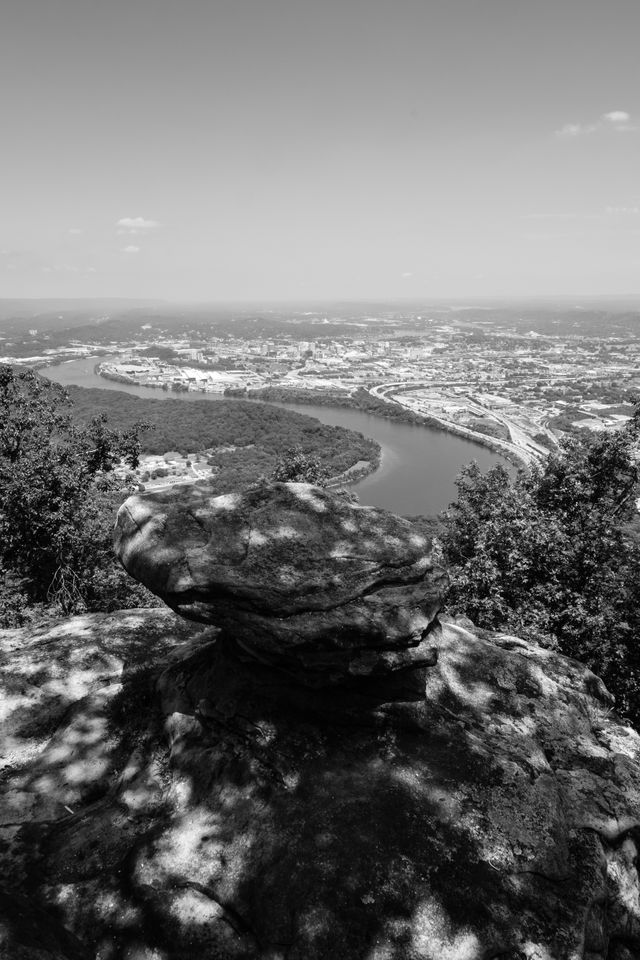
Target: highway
520, 444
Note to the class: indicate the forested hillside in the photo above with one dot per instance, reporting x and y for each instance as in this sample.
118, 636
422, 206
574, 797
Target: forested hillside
201, 425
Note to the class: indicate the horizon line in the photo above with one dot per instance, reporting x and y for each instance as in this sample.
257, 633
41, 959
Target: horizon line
237, 301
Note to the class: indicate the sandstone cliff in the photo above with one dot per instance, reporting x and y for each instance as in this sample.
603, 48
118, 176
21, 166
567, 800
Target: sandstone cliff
289, 784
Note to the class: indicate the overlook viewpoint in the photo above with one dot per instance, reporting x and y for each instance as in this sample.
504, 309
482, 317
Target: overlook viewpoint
320, 480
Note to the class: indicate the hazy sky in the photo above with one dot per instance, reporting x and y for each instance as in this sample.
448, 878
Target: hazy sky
276, 149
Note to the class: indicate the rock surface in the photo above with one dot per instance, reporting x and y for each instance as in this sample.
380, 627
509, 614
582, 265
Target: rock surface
300, 579
496, 818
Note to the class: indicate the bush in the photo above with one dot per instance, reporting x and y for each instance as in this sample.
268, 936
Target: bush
58, 498
550, 555
299, 467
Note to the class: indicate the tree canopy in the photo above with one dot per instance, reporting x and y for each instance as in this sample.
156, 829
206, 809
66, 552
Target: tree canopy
551, 555
57, 497
299, 467
204, 423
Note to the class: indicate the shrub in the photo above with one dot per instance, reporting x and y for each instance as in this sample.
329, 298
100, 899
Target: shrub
299, 467
58, 497
550, 555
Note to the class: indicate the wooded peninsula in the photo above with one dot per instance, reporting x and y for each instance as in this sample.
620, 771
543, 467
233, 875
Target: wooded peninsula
242, 439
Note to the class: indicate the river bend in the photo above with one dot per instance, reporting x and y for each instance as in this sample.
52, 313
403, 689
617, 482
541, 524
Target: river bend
419, 464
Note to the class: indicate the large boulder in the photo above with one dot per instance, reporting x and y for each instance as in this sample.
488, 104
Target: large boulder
299, 578
499, 817
274, 788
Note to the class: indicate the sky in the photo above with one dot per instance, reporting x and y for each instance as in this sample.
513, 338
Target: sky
319, 149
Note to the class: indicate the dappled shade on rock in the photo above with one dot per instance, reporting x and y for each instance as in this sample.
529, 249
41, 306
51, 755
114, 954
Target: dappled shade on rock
298, 578
497, 817
276, 789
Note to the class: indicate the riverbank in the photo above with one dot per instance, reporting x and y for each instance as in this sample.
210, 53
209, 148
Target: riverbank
129, 381
360, 470
361, 400
365, 402
418, 467
353, 474
114, 377
483, 440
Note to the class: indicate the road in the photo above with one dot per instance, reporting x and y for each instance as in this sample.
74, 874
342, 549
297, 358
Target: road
519, 444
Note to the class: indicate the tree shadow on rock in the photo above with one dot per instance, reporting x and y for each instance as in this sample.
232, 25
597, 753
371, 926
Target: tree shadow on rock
291, 822
307, 836
78, 703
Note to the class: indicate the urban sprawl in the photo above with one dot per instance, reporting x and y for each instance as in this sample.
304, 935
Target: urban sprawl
514, 389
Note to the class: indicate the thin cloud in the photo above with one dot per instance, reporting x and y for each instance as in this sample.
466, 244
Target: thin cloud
622, 211
76, 231
131, 249
406, 274
61, 268
20, 261
617, 116
136, 225
547, 236
576, 129
616, 121
551, 216
629, 210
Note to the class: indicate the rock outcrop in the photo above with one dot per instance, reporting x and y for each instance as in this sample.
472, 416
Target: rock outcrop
496, 816
299, 579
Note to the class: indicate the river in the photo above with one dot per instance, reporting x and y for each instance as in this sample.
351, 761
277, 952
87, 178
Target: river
418, 467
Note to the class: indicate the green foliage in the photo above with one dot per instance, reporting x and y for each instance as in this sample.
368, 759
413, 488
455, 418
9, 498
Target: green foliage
260, 433
359, 399
489, 427
298, 467
543, 440
57, 500
202, 424
549, 555
165, 354
59, 492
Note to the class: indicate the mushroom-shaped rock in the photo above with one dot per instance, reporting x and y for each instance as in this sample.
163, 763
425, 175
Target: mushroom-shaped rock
299, 578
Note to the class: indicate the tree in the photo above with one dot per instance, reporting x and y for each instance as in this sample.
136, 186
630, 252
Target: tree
552, 557
299, 467
58, 493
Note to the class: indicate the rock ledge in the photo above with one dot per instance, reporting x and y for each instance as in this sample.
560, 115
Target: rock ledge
299, 579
